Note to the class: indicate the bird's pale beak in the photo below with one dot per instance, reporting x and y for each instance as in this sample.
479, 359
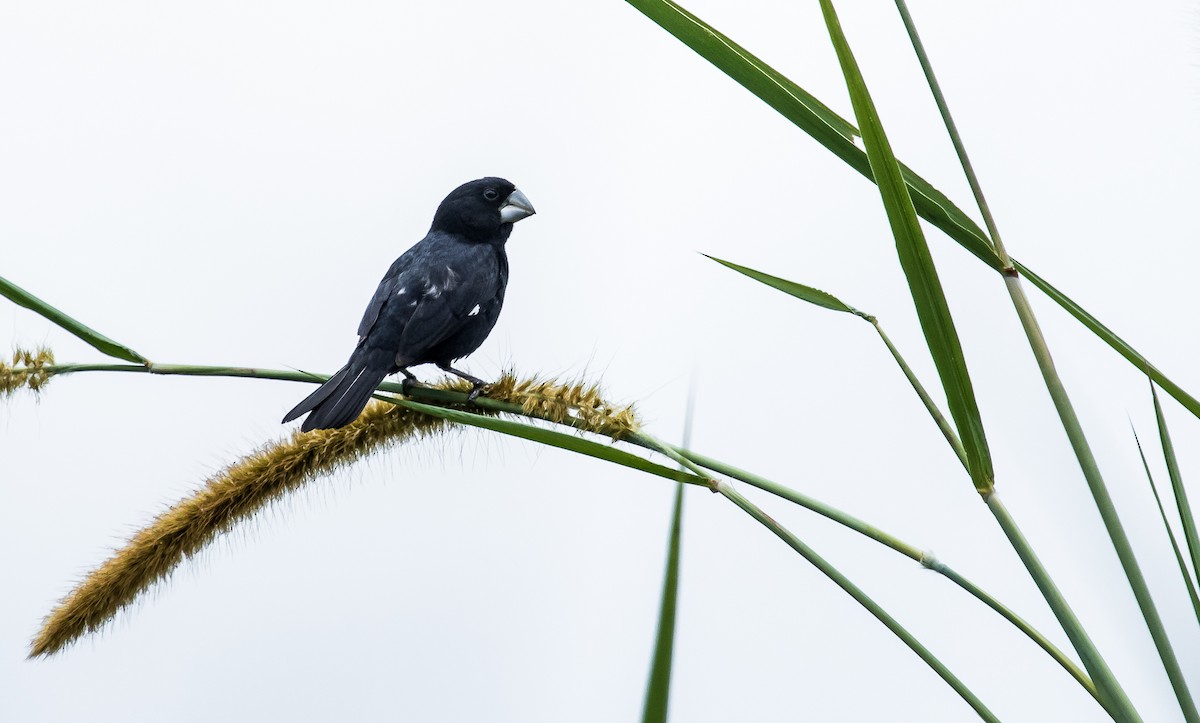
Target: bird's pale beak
515, 208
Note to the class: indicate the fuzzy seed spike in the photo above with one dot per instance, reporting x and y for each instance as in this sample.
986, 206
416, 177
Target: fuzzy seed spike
28, 371
236, 494
247, 487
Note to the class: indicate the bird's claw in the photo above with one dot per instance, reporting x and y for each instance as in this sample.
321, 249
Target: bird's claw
407, 384
476, 388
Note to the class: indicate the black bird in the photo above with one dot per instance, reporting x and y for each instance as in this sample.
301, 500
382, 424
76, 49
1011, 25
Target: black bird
437, 303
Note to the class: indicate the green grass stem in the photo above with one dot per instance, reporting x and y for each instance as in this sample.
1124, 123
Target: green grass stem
1062, 404
1111, 695
908, 550
930, 406
727, 490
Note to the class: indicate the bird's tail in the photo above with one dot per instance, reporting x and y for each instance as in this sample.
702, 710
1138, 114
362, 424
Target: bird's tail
339, 401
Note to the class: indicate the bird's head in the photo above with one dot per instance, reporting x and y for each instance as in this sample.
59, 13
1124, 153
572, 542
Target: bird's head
482, 210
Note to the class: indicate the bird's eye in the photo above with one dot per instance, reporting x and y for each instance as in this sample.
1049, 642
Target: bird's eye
491, 194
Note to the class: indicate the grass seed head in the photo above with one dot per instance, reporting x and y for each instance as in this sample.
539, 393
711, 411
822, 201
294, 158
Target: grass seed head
27, 371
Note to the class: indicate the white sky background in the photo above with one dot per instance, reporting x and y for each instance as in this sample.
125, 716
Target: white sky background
224, 183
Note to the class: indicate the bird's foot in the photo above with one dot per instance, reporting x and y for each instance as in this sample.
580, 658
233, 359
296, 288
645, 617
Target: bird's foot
477, 384
476, 387
407, 384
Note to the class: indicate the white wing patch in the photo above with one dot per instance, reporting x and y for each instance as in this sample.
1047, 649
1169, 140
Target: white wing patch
475, 311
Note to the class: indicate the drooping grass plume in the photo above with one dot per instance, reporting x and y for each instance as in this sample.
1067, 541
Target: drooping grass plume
248, 486
237, 493
27, 371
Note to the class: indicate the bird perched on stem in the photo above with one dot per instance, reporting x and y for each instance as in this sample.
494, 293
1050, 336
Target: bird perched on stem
436, 304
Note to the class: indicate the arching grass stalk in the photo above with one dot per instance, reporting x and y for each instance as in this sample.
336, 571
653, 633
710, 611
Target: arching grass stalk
923, 557
726, 490
1062, 402
452, 397
246, 487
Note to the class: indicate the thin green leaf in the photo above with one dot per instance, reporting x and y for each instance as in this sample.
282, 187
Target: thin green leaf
552, 438
836, 134
829, 301
1183, 568
800, 291
658, 690
1181, 500
915, 259
1120, 345
22, 297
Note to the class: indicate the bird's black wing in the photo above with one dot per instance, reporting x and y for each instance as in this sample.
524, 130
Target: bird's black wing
450, 293
388, 287
428, 298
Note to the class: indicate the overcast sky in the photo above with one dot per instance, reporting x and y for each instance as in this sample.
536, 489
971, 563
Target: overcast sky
225, 182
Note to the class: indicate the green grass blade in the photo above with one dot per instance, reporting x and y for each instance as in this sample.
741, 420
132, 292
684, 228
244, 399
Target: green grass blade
810, 115
915, 259
1181, 500
829, 301
551, 438
789, 99
21, 297
658, 690
1183, 567
800, 291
